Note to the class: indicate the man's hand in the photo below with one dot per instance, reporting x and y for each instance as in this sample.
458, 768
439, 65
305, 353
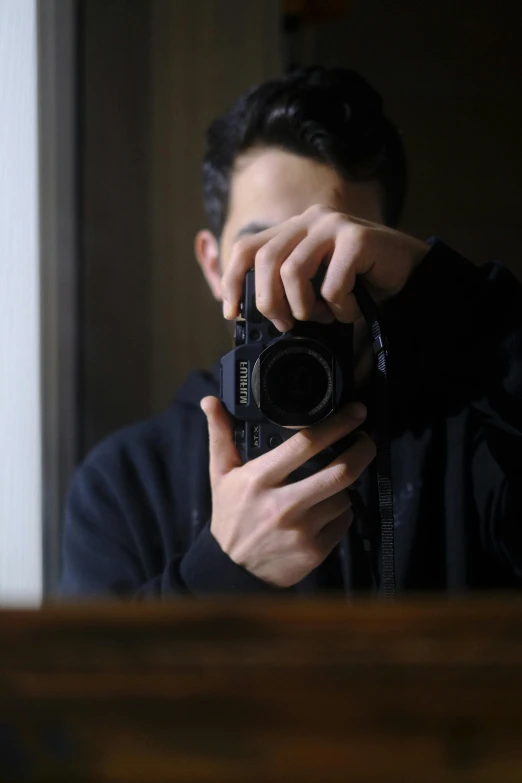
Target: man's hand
287, 257
281, 532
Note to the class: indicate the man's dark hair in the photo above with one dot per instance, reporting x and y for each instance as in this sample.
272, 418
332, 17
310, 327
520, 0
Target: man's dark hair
330, 115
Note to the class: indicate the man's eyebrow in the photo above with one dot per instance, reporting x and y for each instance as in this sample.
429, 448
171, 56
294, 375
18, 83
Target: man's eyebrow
252, 228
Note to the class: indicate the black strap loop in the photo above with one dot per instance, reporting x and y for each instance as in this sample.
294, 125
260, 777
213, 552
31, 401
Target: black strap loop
383, 459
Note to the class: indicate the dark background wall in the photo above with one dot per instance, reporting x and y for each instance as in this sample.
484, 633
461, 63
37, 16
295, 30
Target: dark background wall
114, 290
153, 74
204, 54
451, 75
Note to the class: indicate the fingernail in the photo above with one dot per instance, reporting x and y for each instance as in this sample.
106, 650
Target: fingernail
283, 326
227, 310
358, 411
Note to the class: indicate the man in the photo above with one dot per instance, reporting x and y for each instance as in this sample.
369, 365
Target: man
304, 171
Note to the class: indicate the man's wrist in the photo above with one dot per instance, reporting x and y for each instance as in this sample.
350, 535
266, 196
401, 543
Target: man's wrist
207, 569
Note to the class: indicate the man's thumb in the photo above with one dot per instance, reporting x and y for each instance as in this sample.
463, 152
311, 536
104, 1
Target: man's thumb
223, 453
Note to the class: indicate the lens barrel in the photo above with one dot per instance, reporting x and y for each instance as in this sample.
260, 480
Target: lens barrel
293, 382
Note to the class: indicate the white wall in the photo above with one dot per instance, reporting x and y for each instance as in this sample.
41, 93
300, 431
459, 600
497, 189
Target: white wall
20, 459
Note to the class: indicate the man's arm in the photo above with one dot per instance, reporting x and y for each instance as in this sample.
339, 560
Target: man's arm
264, 535
460, 327
102, 557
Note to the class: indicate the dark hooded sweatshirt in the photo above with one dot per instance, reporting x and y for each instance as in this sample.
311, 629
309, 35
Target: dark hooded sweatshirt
138, 514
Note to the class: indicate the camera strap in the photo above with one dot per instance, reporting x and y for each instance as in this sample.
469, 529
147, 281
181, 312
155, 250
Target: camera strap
382, 459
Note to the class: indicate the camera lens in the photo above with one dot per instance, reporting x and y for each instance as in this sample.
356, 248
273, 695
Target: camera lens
297, 382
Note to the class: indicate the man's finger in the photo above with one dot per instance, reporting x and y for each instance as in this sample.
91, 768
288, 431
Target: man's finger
223, 453
333, 532
320, 515
340, 474
345, 309
242, 259
270, 293
298, 271
276, 465
337, 288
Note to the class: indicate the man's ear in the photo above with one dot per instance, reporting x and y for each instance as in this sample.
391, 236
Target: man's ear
206, 248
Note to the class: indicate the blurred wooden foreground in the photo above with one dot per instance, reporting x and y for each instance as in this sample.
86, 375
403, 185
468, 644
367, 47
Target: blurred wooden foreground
260, 692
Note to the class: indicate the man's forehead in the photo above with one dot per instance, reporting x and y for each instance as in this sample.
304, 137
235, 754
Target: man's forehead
270, 186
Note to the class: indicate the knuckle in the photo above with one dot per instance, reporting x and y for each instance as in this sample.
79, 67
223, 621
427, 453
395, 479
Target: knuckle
272, 312
296, 222
272, 513
317, 210
252, 481
301, 312
357, 236
334, 295
300, 540
284, 513
291, 266
328, 217
341, 475
241, 247
265, 302
264, 256
268, 310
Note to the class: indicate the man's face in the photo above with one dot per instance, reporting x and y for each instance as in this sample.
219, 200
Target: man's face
269, 186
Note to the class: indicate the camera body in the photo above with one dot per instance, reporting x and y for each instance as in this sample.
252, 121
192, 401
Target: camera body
274, 384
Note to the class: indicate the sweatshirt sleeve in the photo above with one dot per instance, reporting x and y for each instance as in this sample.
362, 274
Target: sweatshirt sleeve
106, 549
458, 326
457, 329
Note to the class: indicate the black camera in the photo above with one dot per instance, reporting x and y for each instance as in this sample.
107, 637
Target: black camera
274, 384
